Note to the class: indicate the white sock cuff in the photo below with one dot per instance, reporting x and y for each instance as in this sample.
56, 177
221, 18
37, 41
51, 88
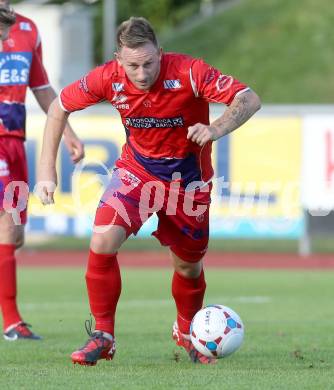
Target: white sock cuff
107, 335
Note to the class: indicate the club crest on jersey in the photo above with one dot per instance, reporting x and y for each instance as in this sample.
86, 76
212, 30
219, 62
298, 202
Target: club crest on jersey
4, 171
117, 87
25, 26
224, 82
172, 84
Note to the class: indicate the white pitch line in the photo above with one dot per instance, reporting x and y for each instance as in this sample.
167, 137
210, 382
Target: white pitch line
145, 302
255, 299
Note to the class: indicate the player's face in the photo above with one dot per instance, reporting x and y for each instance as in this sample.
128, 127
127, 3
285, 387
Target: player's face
141, 65
4, 30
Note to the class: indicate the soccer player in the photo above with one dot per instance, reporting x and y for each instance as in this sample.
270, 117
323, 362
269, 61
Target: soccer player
21, 66
165, 167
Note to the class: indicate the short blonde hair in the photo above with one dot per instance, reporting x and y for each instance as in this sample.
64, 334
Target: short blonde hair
135, 32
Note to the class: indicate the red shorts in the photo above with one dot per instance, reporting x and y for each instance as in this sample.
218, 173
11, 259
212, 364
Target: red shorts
14, 190
132, 196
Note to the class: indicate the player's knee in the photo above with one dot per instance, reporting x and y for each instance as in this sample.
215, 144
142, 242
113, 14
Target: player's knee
187, 269
190, 250
108, 242
99, 244
190, 270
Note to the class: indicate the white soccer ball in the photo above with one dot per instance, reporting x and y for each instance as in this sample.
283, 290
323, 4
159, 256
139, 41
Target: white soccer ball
216, 331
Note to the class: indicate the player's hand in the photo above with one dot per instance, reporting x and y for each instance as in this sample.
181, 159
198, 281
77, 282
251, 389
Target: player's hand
201, 134
74, 146
46, 183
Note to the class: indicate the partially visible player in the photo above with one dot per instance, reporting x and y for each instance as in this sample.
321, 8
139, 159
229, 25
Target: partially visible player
163, 100
21, 66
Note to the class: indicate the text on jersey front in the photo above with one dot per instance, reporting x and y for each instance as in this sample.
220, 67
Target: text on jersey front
15, 68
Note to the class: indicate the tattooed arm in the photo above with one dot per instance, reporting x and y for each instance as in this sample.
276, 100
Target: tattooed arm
240, 110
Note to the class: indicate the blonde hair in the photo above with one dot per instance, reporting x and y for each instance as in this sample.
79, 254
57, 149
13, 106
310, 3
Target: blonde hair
135, 32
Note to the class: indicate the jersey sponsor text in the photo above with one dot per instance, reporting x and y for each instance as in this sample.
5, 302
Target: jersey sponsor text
151, 122
15, 68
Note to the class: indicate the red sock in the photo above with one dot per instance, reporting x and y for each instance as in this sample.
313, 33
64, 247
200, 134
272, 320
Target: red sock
104, 286
8, 305
188, 295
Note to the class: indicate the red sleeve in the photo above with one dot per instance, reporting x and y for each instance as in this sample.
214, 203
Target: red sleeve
38, 75
84, 92
212, 85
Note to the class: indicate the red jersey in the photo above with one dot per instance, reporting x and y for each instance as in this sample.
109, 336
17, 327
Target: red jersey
21, 66
156, 121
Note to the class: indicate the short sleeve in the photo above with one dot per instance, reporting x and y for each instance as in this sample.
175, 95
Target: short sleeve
38, 77
84, 92
212, 85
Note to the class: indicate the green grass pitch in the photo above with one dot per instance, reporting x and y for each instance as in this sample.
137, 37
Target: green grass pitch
288, 316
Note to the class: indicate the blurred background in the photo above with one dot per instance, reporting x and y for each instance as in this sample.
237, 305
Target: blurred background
278, 169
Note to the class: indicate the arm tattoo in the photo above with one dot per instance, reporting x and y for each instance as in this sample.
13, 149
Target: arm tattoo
241, 109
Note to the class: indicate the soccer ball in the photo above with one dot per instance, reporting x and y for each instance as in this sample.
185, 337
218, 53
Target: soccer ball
216, 331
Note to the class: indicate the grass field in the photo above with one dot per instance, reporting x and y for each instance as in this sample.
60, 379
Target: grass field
265, 42
319, 245
288, 317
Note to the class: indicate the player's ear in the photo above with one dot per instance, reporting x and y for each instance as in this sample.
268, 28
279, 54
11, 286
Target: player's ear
117, 58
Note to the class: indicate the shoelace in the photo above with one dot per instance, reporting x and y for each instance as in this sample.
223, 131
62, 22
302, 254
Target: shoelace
88, 326
94, 336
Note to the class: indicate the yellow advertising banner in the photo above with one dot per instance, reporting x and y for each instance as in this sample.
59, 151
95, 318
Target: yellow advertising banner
257, 175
